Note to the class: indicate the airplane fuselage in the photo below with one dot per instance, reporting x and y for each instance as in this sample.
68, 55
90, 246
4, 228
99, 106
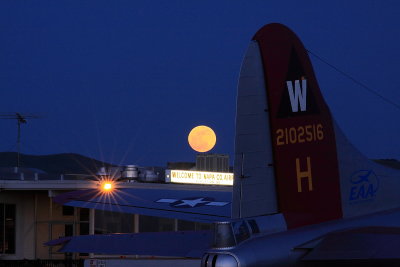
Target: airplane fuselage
287, 248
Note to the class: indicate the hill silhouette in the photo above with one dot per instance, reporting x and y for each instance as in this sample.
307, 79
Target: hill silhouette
66, 163
72, 163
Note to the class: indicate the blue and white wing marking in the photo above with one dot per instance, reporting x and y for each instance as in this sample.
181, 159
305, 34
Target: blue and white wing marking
191, 205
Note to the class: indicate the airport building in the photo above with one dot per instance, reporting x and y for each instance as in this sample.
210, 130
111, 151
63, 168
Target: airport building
29, 217
212, 162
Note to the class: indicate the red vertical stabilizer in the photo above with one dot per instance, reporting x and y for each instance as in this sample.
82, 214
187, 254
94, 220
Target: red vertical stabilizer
303, 138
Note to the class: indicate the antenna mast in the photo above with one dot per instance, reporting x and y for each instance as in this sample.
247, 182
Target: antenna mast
21, 119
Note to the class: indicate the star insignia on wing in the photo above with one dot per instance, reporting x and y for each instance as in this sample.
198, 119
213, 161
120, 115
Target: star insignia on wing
192, 202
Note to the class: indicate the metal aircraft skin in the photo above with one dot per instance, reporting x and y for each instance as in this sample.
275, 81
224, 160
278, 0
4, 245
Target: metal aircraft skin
302, 193
292, 160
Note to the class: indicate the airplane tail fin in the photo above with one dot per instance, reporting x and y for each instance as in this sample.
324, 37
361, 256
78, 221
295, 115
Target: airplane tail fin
290, 156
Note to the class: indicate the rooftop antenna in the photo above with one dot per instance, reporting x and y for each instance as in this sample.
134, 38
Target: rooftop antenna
21, 119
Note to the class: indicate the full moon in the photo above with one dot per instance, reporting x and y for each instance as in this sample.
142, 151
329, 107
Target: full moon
202, 138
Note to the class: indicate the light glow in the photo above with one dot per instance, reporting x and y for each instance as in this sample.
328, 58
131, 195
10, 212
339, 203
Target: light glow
107, 186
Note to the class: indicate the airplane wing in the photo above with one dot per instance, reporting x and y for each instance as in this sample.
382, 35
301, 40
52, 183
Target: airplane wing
192, 205
191, 244
355, 245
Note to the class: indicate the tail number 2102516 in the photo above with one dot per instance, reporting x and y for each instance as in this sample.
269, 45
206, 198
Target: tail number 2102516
301, 134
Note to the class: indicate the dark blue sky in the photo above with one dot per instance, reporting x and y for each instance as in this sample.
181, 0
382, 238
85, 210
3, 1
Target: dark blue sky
125, 81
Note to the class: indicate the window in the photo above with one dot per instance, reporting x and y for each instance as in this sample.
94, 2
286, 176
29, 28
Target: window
84, 225
113, 222
193, 226
67, 210
155, 224
186, 225
203, 226
254, 226
241, 231
84, 214
84, 221
7, 228
68, 230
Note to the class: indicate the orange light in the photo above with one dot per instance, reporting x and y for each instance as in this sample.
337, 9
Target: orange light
107, 186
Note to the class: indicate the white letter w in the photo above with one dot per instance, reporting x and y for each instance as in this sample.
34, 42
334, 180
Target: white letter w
298, 96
